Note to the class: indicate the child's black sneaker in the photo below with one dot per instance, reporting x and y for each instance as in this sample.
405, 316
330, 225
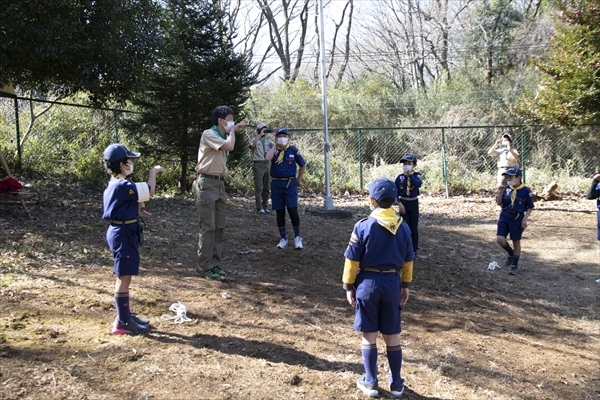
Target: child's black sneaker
396, 390
140, 320
513, 270
509, 261
129, 328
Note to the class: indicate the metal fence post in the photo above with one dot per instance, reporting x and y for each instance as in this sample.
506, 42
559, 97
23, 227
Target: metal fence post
360, 158
116, 137
522, 155
19, 160
444, 164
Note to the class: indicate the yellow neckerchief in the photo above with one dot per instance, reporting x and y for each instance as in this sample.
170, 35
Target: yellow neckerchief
387, 218
408, 184
120, 176
281, 154
513, 195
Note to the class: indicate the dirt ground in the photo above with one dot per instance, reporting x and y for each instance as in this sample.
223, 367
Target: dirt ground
281, 328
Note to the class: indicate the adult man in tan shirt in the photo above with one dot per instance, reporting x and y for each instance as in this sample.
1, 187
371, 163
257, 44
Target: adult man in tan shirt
507, 155
259, 145
209, 190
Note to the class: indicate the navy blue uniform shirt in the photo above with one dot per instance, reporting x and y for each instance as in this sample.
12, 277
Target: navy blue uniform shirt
376, 247
594, 193
120, 199
287, 168
402, 181
523, 200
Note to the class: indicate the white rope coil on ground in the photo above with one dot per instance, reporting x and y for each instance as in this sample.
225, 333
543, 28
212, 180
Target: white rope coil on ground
180, 310
493, 265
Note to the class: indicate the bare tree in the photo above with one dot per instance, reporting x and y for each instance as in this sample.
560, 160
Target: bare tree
348, 8
411, 43
281, 17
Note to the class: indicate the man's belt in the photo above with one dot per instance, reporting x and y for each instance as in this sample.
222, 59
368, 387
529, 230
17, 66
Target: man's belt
387, 271
220, 178
129, 221
261, 161
284, 179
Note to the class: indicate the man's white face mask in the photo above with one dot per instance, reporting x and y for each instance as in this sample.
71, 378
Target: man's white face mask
229, 126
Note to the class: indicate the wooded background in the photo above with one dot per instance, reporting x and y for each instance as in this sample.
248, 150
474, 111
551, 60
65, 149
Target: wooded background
390, 64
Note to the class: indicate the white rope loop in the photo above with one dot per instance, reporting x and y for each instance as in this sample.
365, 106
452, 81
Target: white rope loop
180, 310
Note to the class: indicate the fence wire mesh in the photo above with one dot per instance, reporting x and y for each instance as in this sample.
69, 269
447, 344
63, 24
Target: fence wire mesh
452, 159
65, 143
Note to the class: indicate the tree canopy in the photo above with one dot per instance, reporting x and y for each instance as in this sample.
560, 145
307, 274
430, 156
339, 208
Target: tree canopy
99, 47
569, 89
197, 70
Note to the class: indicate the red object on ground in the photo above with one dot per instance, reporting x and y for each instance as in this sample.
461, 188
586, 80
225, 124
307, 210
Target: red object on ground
10, 184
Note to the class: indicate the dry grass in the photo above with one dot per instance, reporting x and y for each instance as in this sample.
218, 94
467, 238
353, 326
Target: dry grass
280, 328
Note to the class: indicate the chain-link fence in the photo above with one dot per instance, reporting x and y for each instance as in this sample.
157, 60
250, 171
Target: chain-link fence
56, 141
453, 160
64, 142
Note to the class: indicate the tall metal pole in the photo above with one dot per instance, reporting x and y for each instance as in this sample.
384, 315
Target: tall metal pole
19, 156
328, 201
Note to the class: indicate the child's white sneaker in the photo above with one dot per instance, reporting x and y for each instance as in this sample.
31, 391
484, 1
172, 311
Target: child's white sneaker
282, 244
298, 242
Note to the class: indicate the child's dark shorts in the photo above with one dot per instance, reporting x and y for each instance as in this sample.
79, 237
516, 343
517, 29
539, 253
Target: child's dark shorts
510, 222
377, 303
123, 241
284, 194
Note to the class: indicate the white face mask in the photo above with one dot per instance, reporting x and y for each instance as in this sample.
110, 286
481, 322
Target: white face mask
229, 126
511, 183
282, 141
407, 168
130, 170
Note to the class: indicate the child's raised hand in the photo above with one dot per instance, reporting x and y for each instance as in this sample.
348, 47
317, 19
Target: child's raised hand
158, 169
597, 177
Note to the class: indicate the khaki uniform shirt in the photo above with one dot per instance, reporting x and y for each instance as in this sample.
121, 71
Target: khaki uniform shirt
211, 160
506, 159
260, 149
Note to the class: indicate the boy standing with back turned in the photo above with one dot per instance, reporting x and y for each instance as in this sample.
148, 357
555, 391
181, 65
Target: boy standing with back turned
377, 274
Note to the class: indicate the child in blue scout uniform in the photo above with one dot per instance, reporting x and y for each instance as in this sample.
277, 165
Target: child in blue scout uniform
284, 184
408, 184
122, 200
594, 193
516, 200
377, 275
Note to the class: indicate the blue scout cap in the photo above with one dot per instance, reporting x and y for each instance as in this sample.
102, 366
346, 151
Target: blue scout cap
513, 171
382, 188
283, 130
409, 157
117, 151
